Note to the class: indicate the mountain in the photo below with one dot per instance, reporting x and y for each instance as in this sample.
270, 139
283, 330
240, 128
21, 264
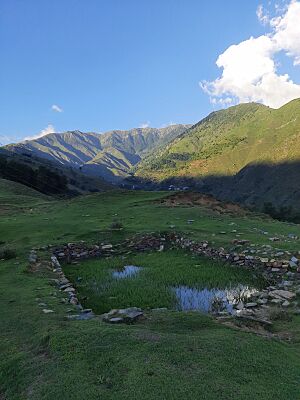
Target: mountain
248, 153
226, 141
110, 155
46, 176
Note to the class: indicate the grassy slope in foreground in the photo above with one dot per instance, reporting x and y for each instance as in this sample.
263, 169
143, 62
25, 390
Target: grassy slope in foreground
227, 140
170, 356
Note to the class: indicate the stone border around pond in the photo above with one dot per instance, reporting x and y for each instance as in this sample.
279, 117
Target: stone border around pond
281, 292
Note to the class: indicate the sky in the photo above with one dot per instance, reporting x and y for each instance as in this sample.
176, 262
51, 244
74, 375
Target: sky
99, 65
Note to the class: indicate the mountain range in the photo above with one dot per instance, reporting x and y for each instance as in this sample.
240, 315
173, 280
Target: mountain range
110, 155
249, 153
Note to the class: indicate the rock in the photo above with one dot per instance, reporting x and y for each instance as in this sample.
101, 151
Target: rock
81, 317
240, 306
86, 310
285, 303
276, 301
127, 315
264, 260
284, 294
32, 257
47, 311
262, 301
115, 320
240, 242
250, 305
107, 247
54, 261
74, 300
69, 289
294, 260
292, 265
279, 254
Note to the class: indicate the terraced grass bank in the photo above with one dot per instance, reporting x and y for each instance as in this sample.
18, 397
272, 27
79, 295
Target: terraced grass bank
168, 355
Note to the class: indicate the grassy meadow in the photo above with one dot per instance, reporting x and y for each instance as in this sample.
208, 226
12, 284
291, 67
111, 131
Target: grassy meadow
168, 355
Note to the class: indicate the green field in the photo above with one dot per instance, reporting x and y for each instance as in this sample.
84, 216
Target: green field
168, 355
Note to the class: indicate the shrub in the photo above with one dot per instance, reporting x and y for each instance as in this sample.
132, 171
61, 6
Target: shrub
116, 225
7, 254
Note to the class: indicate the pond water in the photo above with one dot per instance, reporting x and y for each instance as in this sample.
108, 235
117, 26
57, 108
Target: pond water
211, 300
126, 271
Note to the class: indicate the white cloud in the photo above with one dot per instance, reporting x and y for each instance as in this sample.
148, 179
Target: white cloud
287, 31
56, 108
249, 68
145, 125
49, 129
4, 140
262, 15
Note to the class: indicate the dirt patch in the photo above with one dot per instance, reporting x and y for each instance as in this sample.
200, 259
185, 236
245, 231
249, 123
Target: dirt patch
40, 267
203, 200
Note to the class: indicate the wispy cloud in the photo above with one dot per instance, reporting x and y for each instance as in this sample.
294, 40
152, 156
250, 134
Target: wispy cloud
168, 124
262, 15
49, 129
4, 139
56, 108
250, 72
145, 125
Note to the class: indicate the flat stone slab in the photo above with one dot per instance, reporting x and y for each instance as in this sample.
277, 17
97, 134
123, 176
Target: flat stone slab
284, 294
126, 315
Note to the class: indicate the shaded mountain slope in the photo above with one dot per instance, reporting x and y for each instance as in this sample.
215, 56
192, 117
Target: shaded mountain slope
46, 176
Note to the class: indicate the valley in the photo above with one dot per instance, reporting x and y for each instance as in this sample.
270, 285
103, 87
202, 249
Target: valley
150, 200
54, 354
246, 154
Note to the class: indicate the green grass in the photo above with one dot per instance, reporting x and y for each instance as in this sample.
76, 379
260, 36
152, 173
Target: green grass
89, 217
169, 355
151, 286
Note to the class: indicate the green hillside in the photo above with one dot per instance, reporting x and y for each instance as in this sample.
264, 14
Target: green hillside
226, 141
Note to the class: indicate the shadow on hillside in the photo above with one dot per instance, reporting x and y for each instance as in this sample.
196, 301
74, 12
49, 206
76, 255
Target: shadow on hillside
266, 187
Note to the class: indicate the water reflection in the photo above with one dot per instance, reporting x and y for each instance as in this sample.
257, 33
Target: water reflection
126, 271
211, 300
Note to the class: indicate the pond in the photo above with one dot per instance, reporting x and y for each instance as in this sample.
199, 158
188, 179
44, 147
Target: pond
211, 300
126, 271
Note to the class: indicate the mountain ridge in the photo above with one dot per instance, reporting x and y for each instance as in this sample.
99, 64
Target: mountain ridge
227, 140
111, 154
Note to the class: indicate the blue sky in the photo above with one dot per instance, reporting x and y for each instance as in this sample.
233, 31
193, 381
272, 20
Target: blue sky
116, 64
